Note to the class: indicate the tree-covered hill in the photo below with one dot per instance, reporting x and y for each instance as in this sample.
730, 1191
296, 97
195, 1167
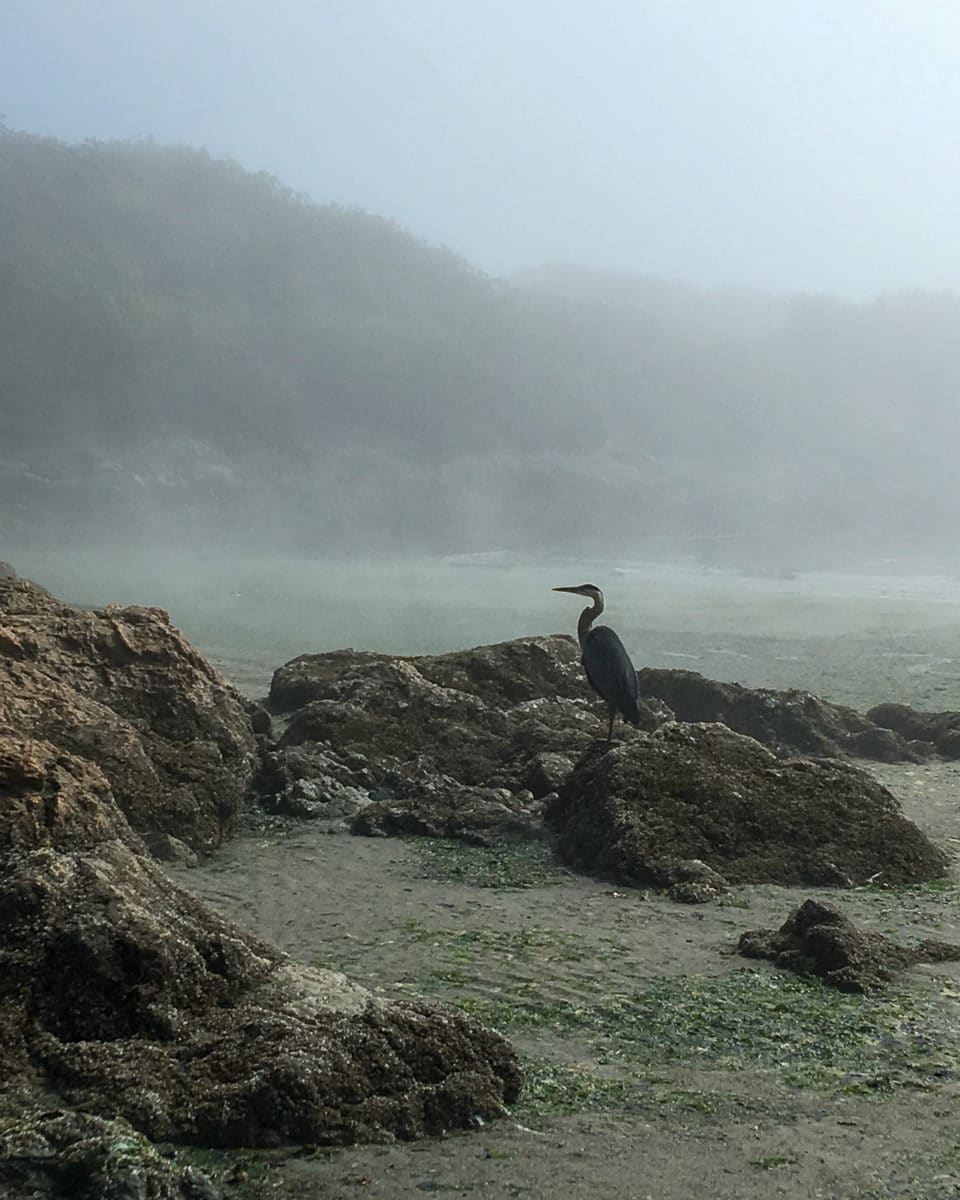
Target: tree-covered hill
188, 349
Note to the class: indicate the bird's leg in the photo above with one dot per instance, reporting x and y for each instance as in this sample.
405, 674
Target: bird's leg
613, 713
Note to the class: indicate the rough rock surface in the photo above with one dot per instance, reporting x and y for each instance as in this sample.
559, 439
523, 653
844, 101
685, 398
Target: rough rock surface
637, 810
441, 807
459, 744
51, 798
817, 939
790, 722
691, 881
67, 1153
314, 782
941, 730
123, 689
122, 996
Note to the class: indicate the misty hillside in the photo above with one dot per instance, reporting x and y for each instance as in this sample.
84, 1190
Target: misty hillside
191, 351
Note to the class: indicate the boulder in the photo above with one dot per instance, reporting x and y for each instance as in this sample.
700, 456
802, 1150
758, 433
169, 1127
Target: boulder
790, 722
817, 939
124, 997
501, 675
699, 791
451, 744
123, 689
940, 730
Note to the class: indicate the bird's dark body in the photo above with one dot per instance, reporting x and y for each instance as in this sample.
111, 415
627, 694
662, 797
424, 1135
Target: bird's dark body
605, 660
610, 672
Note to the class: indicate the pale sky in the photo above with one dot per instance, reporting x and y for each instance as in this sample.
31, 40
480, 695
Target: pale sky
802, 145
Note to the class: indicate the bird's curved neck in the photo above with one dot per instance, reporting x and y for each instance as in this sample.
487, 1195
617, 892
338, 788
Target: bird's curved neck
587, 618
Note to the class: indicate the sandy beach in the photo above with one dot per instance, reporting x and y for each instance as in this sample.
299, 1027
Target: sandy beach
660, 1063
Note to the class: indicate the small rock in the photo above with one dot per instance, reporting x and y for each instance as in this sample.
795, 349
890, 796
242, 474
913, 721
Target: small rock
817, 939
693, 882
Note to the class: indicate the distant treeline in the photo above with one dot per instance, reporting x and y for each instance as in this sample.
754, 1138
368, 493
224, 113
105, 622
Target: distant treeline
184, 344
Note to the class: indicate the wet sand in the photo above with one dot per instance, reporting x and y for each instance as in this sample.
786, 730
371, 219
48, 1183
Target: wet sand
734, 1091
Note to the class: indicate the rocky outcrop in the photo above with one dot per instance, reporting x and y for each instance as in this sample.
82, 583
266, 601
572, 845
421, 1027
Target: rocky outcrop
6, 571
122, 688
124, 997
51, 798
817, 939
473, 744
501, 675
476, 716
639, 810
459, 744
790, 722
940, 730
127, 1009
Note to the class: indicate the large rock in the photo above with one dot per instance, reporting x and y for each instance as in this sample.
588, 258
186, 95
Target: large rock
501, 675
475, 716
62, 1153
467, 744
940, 729
701, 792
817, 939
123, 689
51, 798
790, 722
452, 744
129, 1010
124, 997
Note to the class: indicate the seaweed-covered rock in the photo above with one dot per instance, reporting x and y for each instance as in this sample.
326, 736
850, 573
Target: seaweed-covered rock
61, 1153
545, 772
501, 675
449, 743
123, 997
630, 811
443, 718
123, 689
941, 730
790, 722
131, 999
691, 881
817, 939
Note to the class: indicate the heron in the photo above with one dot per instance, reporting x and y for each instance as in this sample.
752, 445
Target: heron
609, 670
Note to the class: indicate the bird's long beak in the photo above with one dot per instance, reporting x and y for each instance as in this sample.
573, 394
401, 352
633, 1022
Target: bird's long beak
575, 590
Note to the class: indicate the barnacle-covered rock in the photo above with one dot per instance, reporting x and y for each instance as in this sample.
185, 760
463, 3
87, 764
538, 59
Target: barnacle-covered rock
122, 688
699, 791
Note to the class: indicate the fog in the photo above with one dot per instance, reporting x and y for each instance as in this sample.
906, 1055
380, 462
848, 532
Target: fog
785, 147
852, 638
666, 290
